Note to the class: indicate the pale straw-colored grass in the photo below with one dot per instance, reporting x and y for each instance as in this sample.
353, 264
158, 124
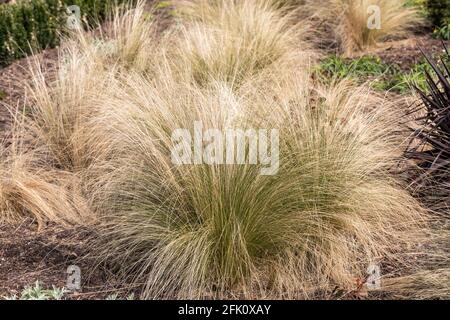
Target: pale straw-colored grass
232, 41
198, 231
30, 188
201, 231
348, 21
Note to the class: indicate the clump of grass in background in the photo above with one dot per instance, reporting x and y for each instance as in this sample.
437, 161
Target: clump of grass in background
130, 38
232, 41
62, 109
348, 21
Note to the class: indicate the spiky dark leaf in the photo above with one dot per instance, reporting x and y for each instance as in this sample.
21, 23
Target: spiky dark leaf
430, 145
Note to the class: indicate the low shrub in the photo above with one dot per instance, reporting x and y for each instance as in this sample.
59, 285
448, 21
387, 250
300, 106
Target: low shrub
27, 26
337, 67
443, 32
37, 292
439, 11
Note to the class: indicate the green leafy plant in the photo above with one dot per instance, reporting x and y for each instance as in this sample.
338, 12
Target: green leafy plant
443, 32
336, 67
403, 82
36, 292
381, 76
115, 296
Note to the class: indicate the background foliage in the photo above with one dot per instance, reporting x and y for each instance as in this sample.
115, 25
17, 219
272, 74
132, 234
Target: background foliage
31, 25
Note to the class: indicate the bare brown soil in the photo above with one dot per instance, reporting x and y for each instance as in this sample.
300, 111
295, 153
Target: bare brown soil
28, 255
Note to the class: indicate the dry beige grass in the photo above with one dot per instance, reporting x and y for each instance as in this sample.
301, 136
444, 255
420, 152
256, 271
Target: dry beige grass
63, 107
232, 41
200, 231
333, 208
130, 39
60, 109
348, 21
30, 188
428, 276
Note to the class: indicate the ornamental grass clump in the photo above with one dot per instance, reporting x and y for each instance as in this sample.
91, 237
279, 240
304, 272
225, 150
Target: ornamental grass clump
220, 230
363, 25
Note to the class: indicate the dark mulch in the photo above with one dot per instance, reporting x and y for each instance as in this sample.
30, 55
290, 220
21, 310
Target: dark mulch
28, 255
406, 53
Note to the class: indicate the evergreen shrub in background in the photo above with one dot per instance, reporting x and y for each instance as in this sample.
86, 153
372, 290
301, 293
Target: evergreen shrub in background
32, 25
439, 11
